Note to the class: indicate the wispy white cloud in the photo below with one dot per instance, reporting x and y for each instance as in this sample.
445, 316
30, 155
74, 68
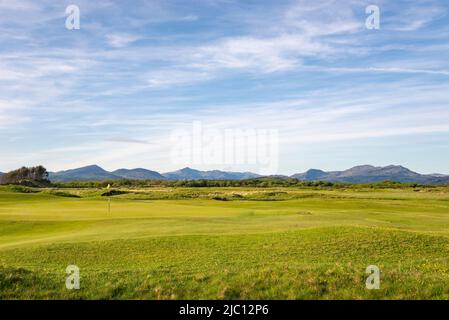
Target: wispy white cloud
172, 77
120, 40
283, 52
416, 16
126, 140
367, 70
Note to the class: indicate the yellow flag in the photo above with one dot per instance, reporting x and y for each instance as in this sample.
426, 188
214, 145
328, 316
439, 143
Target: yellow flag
108, 187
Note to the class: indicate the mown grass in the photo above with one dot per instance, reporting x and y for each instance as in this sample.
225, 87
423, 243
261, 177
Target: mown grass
301, 244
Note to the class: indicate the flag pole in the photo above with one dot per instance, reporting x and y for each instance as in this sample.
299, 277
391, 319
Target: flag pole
109, 198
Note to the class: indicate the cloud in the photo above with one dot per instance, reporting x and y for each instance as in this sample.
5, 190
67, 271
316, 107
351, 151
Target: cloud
126, 140
173, 77
300, 31
415, 17
323, 18
382, 70
279, 53
120, 40
189, 17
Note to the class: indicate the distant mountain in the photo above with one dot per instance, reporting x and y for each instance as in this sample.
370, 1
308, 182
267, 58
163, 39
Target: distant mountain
93, 172
183, 174
138, 173
192, 174
371, 174
437, 179
358, 174
310, 175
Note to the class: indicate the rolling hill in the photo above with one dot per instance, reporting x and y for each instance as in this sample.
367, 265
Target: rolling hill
358, 174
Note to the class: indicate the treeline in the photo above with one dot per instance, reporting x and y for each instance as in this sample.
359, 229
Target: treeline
201, 183
25, 175
255, 183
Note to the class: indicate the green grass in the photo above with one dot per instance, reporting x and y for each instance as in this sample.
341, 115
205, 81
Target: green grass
224, 243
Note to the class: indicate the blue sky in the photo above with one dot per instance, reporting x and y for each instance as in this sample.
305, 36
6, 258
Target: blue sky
113, 92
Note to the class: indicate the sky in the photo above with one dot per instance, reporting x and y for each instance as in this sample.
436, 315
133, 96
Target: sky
161, 84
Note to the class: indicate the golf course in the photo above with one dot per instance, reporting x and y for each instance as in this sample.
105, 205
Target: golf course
224, 243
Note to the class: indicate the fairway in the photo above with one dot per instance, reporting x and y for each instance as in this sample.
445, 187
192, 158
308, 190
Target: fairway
225, 243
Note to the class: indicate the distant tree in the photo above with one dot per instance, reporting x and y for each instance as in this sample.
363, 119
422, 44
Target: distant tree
38, 173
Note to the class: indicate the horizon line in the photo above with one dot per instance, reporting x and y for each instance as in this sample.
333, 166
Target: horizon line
236, 171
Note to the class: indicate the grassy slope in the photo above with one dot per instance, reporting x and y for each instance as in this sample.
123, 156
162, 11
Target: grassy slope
315, 245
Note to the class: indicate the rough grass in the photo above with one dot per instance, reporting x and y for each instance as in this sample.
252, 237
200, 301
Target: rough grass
304, 244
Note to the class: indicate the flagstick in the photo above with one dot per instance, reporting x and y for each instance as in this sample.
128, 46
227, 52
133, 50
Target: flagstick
109, 199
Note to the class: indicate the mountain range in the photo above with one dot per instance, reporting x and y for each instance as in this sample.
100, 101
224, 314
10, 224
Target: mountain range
358, 174
371, 174
95, 172
192, 174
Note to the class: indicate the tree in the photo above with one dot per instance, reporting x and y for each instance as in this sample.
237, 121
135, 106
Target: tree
38, 173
